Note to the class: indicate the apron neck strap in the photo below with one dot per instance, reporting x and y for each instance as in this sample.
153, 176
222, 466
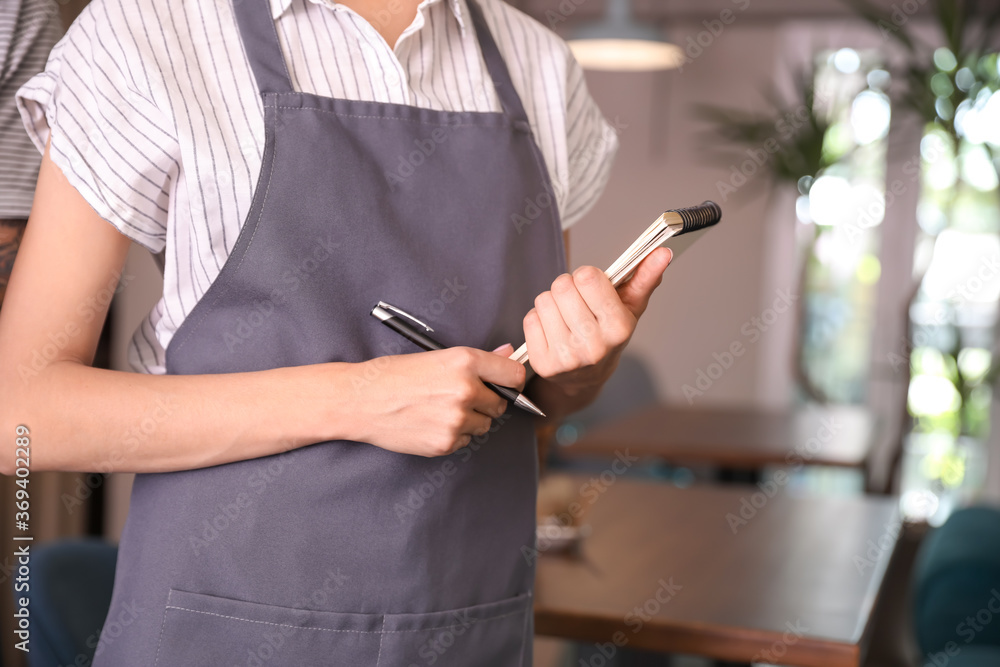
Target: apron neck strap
260, 42
263, 50
509, 99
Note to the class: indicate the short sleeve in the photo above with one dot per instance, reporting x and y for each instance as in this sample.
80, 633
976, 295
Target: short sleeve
28, 30
592, 144
114, 145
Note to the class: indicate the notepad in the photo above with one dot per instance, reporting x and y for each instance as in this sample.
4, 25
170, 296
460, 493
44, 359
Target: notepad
674, 222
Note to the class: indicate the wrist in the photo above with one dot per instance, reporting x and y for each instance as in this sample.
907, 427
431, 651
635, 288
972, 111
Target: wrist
559, 400
332, 398
563, 395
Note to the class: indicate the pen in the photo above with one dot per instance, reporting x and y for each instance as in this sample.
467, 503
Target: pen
401, 322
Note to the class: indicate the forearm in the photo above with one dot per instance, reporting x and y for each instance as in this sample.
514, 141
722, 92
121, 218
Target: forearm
87, 419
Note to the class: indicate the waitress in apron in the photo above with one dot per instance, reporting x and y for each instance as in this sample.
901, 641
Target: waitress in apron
313, 489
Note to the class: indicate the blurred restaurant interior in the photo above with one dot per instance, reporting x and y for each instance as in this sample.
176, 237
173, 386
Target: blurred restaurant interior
795, 462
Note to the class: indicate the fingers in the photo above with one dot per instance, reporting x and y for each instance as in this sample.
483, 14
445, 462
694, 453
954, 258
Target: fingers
615, 320
636, 292
488, 403
476, 424
577, 314
579, 323
534, 336
579, 340
597, 291
553, 326
434, 403
496, 368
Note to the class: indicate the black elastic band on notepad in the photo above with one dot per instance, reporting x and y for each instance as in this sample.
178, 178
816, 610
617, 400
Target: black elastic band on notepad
698, 217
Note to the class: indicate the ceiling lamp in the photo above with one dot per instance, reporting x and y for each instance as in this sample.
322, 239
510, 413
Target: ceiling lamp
619, 43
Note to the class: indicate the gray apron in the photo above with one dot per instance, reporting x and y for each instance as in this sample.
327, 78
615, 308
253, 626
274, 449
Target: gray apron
343, 553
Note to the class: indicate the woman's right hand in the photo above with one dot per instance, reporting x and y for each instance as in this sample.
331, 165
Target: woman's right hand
430, 403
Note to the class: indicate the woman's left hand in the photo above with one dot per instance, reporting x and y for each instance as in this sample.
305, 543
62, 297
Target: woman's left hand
578, 329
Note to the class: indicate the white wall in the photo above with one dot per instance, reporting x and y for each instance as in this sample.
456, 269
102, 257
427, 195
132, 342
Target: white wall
724, 280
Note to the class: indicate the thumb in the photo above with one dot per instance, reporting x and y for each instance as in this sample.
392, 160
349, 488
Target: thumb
636, 292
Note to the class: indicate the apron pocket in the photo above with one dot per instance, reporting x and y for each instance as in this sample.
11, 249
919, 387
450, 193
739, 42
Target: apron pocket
202, 630
485, 635
205, 630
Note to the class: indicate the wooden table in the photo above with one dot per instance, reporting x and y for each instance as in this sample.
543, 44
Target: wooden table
738, 438
795, 585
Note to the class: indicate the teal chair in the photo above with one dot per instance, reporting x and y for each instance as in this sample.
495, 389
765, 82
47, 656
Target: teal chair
956, 604
971, 656
71, 584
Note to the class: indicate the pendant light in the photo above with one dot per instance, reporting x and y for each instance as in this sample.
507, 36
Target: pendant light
619, 43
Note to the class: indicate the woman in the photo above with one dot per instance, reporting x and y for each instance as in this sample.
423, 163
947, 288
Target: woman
314, 490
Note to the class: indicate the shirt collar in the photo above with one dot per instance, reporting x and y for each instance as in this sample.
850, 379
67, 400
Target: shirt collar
279, 7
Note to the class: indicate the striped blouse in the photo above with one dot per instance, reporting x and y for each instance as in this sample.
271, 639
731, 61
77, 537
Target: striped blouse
156, 119
28, 29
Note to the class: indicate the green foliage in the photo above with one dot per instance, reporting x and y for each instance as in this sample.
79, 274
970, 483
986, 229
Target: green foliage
937, 81
798, 131
963, 67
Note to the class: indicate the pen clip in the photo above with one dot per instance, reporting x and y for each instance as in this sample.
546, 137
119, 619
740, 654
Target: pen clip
403, 313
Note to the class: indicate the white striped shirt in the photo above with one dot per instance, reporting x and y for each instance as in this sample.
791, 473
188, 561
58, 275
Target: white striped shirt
28, 30
158, 121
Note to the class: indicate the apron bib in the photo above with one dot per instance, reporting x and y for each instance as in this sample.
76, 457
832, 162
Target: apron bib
342, 553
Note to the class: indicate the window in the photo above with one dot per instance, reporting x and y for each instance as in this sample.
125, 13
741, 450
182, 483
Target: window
840, 211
